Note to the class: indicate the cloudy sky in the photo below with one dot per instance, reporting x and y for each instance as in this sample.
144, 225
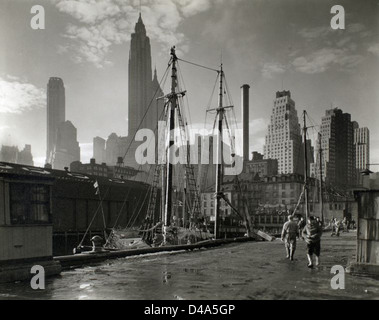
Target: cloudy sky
271, 45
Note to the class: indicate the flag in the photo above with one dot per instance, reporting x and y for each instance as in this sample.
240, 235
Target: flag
96, 186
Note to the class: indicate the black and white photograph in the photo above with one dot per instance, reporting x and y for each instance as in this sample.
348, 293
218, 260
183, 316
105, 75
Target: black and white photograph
189, 155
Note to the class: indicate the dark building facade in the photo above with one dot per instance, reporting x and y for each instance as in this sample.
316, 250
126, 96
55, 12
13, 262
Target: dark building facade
261, 167
337, 142
102, 170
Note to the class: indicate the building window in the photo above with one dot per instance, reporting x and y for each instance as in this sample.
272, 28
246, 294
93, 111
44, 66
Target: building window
29, 204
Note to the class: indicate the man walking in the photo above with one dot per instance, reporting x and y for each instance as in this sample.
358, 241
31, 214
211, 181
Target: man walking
312, 236
289, 234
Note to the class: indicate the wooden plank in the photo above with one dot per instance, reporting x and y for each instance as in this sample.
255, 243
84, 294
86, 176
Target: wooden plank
265, 236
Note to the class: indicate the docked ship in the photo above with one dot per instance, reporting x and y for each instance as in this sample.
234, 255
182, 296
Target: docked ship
166, 224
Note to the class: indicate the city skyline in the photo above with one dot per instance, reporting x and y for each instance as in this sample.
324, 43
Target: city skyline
88, 48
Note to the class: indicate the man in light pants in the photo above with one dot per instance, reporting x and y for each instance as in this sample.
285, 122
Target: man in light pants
289, 234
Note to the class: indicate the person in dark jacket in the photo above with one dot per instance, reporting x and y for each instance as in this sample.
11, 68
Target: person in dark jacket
312, 236
301, 224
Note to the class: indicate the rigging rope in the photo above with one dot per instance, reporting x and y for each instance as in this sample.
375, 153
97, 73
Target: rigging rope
93, 218
199, 65
148, 108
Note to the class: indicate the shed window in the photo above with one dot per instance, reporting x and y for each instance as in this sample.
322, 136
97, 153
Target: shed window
29, 203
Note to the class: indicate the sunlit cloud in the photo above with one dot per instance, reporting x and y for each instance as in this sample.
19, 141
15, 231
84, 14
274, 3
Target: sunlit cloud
100, 24
17, 96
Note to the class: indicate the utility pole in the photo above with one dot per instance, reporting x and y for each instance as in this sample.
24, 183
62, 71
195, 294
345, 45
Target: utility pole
305, 166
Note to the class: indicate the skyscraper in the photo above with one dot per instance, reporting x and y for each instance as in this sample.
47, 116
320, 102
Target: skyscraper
283, 140
140, 78
99, 153
56, 108
67, 147
143, 110
362, 147
338, 153
25, 156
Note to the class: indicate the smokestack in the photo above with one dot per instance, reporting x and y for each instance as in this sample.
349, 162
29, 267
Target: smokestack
245, 120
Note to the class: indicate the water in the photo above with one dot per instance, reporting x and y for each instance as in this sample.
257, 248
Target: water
234, 272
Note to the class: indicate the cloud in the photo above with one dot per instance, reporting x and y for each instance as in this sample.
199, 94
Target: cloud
323, 32
374, 49
17, 96
322, 59
100, 24
89, 11
355, 27
270, 69
315, 33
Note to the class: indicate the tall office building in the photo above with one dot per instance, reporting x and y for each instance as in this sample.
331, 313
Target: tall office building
338, 154
362, 147
99, 153
283, 140
9, 154
25, 156
140, 78
67, 147
12, 154
143, 111
56, 108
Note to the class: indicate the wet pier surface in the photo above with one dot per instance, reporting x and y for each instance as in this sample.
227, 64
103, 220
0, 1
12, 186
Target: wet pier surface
252, 270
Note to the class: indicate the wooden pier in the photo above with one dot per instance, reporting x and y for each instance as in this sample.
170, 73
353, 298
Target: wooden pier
84, 259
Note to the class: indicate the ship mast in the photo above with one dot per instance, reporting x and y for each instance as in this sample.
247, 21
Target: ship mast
321, 187
172, 97
306, 168
220, 152
220, 170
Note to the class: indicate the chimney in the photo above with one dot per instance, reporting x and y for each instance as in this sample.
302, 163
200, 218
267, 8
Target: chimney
245, 120
120, 161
